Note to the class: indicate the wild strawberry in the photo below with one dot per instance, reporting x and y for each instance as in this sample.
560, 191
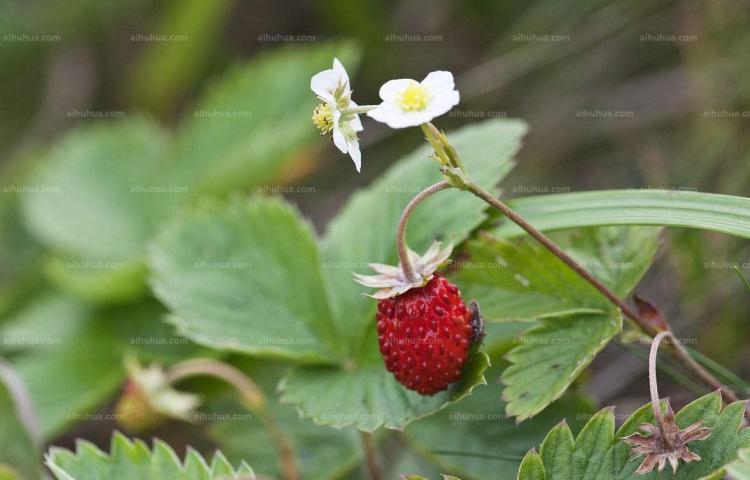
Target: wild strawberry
425, 330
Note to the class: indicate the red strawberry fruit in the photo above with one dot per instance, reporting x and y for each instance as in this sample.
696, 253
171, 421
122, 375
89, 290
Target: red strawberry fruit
425, 332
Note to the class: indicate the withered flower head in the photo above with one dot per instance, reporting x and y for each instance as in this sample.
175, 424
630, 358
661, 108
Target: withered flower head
666, 443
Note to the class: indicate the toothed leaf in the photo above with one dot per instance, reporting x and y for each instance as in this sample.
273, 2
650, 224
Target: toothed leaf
550, 356
245, 276
518, 279
133, 459
599, 453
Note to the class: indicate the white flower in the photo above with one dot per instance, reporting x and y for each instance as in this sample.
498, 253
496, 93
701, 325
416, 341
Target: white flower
408, 103
337, 113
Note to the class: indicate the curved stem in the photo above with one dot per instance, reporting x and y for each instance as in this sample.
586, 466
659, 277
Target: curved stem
678, 349
249, 391
403, 249
653, 384
252, 396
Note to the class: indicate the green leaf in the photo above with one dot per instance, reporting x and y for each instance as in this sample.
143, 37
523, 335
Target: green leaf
367, 396
97, 282
42, 323
740, 468
244, 132
19, 456
245, 276
598, 453
708, 211
97, 199
134, 459
364, 231
474, 439
521, 280
89, 206
550, 356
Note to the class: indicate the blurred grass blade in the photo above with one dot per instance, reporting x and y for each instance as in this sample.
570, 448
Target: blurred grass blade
707, 211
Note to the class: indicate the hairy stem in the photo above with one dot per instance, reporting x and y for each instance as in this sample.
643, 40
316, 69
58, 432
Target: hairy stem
252, 397
559, 253
678, 350
403, 249
373, 467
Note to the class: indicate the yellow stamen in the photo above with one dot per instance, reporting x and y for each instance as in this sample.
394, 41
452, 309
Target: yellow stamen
414, 98
323, 118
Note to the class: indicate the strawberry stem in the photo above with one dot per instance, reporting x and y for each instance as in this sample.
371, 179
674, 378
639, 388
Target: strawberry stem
403, 248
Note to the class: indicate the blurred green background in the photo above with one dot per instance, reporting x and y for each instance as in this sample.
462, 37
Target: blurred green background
618, 94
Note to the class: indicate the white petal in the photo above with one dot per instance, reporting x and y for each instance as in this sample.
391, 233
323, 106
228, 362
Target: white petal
341, 73
390, 114
441, 104
353, 146
339, 140
439, 81
391, 88
323, 84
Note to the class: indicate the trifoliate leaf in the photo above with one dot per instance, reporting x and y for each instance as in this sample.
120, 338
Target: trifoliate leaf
550, 356
598, 452
129, 460
280, 304
521, 280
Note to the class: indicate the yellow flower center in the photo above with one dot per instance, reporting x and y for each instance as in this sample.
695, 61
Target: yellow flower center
323, 118
414, 98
